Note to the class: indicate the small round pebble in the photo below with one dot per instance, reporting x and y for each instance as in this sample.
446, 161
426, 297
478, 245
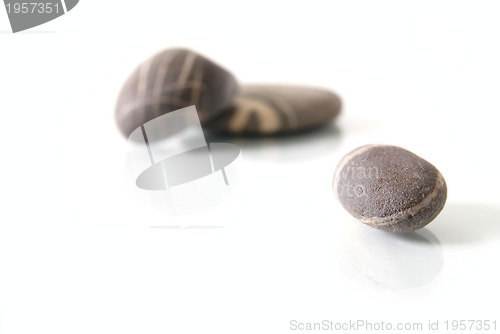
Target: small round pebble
389, 188
171, 80
275, 109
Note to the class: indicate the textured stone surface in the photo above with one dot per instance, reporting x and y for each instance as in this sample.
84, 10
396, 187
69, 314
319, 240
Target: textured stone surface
268, 109
171, 80
389, 188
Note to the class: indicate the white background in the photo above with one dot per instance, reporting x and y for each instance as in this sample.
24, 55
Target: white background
80, 247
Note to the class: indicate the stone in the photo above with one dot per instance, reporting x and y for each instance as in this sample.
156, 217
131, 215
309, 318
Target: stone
389, 188
274, 109
171, 80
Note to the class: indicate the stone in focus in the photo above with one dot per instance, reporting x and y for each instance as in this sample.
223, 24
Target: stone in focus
269, 109
171, 80
389, 188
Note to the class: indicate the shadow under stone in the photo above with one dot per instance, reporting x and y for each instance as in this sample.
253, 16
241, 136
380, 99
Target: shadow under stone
298, 146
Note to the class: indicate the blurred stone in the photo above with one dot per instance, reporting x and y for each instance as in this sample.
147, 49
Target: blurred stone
269, 109
171, 80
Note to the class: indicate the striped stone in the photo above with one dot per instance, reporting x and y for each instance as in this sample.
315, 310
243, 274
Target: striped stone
389, 188
171, 80
270, 109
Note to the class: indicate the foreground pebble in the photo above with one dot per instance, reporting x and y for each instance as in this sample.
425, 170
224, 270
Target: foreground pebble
389, 188
171, 80
269, 109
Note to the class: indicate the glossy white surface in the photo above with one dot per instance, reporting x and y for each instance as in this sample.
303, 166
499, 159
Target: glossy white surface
84, 251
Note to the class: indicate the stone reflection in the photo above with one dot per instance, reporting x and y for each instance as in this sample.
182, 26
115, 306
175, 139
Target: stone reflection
389, 260
295, 147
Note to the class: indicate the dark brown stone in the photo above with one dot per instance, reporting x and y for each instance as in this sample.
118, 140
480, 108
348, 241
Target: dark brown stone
269, 109
171, 80
389, 188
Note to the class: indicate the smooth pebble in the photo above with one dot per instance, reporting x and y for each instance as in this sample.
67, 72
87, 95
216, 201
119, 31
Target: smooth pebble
389, 188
